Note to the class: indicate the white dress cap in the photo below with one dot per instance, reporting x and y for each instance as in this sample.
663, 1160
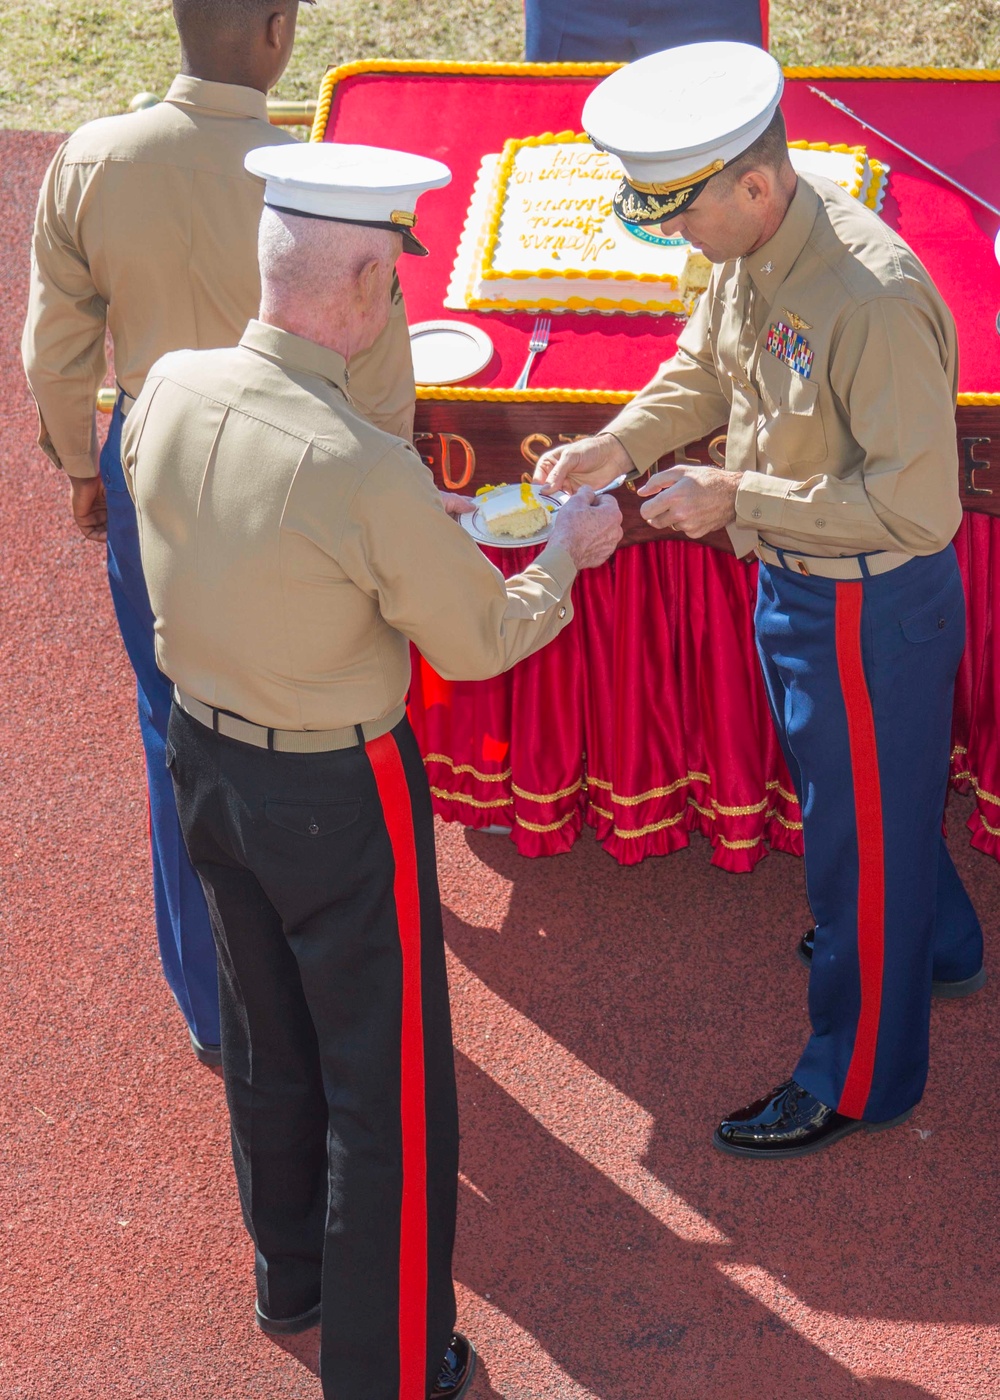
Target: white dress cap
348, 184
676, 117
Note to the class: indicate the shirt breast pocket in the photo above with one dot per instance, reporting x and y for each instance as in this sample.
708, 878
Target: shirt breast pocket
793, 429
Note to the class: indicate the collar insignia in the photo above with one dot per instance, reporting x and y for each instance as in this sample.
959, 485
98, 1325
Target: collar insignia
797, 321
768, 267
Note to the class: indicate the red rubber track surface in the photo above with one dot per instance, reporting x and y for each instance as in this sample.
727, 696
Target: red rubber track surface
605, 1018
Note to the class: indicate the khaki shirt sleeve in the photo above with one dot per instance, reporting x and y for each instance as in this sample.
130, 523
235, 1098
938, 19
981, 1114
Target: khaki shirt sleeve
682, 403
63, 342
381, 378
435, 586
887, 373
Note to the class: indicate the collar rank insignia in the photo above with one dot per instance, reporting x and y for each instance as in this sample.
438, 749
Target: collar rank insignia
797, 321
768, 266
790, 348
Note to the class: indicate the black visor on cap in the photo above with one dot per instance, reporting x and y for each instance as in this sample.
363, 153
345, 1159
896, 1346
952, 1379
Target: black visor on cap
634, 207
411, 243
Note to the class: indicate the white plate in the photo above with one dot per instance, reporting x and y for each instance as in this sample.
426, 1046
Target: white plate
473, 524
445, 352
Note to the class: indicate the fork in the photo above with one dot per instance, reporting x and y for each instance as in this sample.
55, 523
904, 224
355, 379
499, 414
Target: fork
538, 342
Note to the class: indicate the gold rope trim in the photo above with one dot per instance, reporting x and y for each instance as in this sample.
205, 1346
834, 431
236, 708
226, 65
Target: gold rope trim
645, 796
469, 801
453, 394
467, 768
546, 797
939, 75
774, 815
739, 845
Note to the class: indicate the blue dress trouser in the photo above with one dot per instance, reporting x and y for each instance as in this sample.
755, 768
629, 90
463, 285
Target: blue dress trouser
187, 948
860, 678
561, 31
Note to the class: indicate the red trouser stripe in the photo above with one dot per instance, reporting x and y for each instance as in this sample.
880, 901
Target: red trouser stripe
871, 863
394, 794
764, 15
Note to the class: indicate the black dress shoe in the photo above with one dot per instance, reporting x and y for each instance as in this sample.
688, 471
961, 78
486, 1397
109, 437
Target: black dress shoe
789, 1122
210, 1055
457, 1369
943, 990
287, 1326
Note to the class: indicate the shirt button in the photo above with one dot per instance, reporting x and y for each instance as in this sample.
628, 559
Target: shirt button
940, 623
821, 523
562, 612
313, 829
756, 512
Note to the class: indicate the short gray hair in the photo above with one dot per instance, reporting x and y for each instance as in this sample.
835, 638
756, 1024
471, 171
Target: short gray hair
309, 257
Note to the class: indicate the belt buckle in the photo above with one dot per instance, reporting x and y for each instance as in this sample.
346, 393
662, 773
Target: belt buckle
802, 567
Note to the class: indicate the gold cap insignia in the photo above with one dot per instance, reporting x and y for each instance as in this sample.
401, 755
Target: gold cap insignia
404, 217
797, 321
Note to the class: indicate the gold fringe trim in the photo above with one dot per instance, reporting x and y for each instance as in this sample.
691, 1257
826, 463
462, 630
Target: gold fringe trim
546, 797
981, 793
467, 768
469, 801
551, 826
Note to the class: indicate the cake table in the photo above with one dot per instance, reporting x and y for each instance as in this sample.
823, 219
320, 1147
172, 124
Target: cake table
646, 718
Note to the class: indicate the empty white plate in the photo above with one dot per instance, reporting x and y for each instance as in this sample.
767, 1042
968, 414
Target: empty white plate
445, 352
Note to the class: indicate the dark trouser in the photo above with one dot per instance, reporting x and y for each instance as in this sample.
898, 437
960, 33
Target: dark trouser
183, 931
860, 677
336, 1040
565, 30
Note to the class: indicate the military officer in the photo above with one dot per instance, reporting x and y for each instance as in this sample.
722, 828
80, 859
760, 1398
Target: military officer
147, 225
591, 30
292, 552
823, 345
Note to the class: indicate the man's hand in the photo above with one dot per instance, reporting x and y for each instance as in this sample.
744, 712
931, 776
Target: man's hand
691, 500
457, 505
588, 528
592, 461
90, 509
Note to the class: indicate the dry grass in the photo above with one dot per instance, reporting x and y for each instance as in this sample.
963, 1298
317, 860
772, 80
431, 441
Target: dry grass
65, 61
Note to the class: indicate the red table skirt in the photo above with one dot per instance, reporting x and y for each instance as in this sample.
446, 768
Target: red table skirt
647, 717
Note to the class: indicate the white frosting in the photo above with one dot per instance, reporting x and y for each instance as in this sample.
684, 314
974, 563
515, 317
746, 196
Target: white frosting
558, 220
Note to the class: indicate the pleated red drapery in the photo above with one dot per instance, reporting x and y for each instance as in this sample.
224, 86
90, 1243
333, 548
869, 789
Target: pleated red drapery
647, 720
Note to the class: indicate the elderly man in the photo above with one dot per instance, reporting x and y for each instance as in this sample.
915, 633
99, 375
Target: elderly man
147, 226
823, 344
292, 552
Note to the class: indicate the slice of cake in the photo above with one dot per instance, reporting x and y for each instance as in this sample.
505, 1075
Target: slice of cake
514, 511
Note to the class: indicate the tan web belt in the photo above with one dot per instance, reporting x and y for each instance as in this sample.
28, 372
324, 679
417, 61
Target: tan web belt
852, 566
286, 740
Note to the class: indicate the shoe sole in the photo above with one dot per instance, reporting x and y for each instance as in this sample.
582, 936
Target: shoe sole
287, 1326
784, 1153
208, 1055
470, 1372
941, 991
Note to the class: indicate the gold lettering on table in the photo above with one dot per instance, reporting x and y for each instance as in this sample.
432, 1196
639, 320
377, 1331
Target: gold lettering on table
448, 442
424, 437
971, 464
528, 448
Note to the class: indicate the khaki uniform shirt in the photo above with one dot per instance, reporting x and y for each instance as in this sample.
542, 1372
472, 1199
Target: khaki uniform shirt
292, 550
859, 455
147, 224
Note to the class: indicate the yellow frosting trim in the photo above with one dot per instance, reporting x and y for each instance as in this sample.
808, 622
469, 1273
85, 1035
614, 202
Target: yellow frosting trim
860, 154
574, 304
489, 273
